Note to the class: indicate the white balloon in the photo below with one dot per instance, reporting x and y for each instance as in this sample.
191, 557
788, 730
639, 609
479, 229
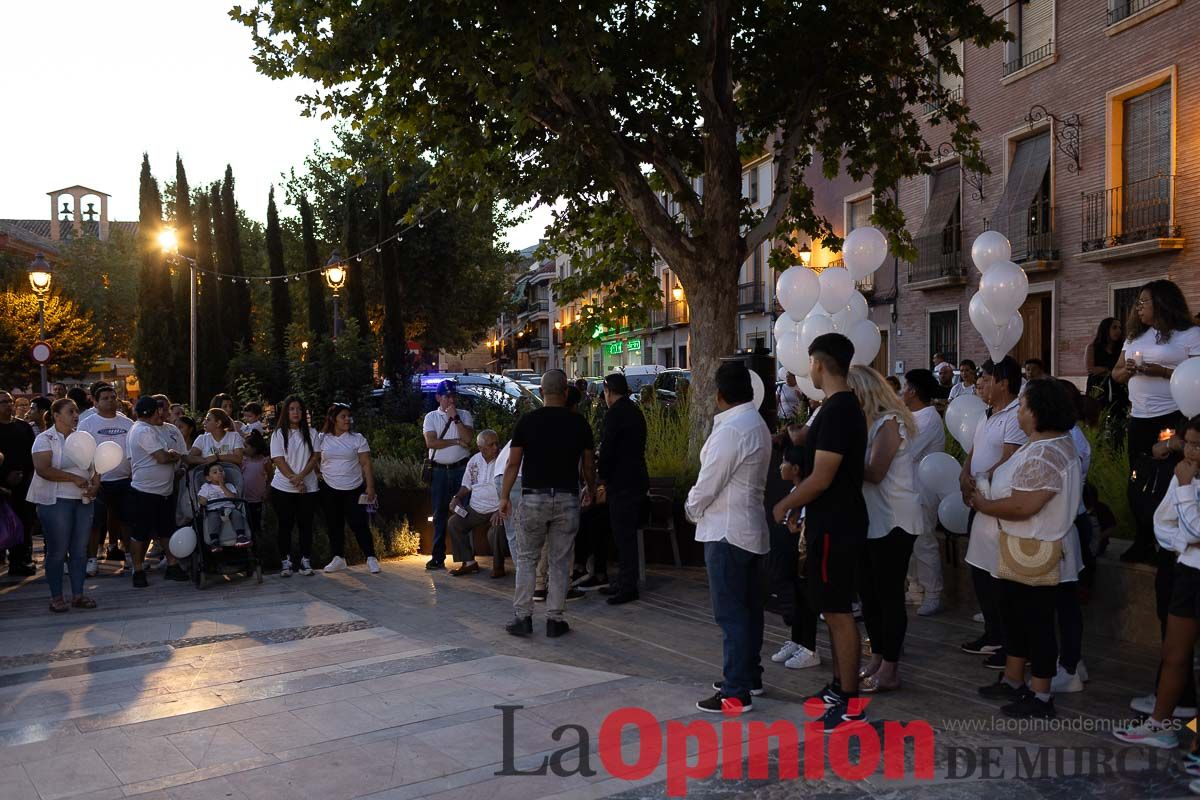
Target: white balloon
760, 391
854, 310
786, 326
836, 288
938, 474
1185, 387
798, 290
990, 248
792, 354
963, 417
954, 514
808, 389
183, 542
109, 456
1004, 288
80, 448
816, 325
1004, 338
981, 316
864, 251
865, 336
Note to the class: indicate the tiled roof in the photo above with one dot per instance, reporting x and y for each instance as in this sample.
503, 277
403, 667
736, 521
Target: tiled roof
41, 227
22, 234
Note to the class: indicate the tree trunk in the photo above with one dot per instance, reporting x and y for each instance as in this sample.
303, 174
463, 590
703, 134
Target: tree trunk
713, 335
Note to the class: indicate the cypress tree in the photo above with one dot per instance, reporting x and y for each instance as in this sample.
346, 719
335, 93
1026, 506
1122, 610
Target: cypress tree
222, 348
395, 343
153, 347
281, 301
314, 280
238, 311
356, 291
184, 229
210, 350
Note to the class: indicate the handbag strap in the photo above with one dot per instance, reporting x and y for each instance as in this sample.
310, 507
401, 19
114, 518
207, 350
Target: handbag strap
449, 422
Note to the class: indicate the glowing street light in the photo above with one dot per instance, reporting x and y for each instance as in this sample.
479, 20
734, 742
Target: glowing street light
40, 276
168, 242
805, 254
335, 278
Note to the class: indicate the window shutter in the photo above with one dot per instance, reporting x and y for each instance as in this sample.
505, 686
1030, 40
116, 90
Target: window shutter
943, 201
1037, 22
1146, 149
860, 214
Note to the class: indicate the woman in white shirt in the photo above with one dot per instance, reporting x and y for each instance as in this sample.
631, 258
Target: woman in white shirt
347, 486
1035, 494
62, 492
219, 442
295, 452
1162, 336
967, 372
894, 510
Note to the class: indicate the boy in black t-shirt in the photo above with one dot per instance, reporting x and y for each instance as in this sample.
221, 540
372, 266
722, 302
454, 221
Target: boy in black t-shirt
835, 518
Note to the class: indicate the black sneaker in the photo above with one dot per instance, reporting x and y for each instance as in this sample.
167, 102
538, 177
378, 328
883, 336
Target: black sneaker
828, 695
996, 660
539, 595
431, 564
521, 626
980, 647
575, 594
609, 589
556, 628
139, 580
175, 573
839, 717
757, 691
1029, 707
21, 570
593, 582
726, 705
621, 598
1002, 691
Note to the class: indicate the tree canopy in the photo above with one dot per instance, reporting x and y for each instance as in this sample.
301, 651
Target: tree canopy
69, 330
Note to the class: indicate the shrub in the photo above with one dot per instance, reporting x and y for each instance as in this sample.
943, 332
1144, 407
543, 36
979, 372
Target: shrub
667, 435
1109, 473
397, 440
399, 473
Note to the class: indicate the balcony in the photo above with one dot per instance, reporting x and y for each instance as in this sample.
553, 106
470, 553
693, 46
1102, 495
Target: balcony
939, 260
954, 95
1120, 10
534, 307
1034, 238
1024, 60
1131, 220
532, 343
678, 312
658, 317
750, 296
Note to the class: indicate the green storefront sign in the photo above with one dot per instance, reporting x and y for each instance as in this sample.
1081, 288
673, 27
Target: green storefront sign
635, 345
614, 348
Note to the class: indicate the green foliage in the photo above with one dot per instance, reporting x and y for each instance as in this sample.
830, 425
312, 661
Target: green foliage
329, 371
393, 538
1109, 473
954, 448
281, 303
667, 437
235, 294
396, 440
69, 330
103, 278
254, 375
398, 473
155, 350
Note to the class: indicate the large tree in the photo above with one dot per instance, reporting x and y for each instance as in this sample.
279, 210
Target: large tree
313, 282
154, 347
236, 294
356, 276
102, 276
215, 337
185, 231
630, 99
281, 302
77, 343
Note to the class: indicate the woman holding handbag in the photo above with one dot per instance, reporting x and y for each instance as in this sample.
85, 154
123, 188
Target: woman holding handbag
1029, 512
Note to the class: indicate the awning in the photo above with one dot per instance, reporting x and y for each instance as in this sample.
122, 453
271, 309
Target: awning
1029, 165
943, 199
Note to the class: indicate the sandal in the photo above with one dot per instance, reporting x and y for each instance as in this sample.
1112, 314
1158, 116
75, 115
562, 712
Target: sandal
59, 606
83, 602
871, 685
869, 669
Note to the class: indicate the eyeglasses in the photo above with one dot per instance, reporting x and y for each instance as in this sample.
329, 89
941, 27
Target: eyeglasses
1140, 302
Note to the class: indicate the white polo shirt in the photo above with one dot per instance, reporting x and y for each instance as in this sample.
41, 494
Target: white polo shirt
993, 433
435, 421
480, 478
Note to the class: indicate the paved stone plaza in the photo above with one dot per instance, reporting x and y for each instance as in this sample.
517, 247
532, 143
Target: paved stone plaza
385, 686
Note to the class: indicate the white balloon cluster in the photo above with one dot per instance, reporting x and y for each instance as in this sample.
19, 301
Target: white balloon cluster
828, 303
1002, 290
1185, 387
938, 476
81, 449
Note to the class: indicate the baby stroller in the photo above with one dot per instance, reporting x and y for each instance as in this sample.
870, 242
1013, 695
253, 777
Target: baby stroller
230, 560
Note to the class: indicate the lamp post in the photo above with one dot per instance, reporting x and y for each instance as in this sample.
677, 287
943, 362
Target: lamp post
805, 254
677, 294
39, 280
335, 277
553, 336
169, 242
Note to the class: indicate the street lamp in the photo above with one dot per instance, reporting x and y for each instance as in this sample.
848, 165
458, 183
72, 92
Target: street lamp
805, 254
553, 337
335, 277
168, 240
39, 279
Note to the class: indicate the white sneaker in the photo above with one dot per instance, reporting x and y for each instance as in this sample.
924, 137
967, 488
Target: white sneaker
914, 596
1081, 671
336, 564
978, 617
788, 650
66, 567
803, 659
1066, 683
1145, 705
285, 571
305, 567
930, 606
92, 568
373, 565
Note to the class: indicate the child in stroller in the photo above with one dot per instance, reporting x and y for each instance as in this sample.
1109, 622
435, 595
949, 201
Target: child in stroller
218, 500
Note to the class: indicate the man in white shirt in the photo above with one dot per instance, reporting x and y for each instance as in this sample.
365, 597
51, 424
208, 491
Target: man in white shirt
448, 434
790, 397
477, 503
112, 502
153, 480
727, 506
926, 566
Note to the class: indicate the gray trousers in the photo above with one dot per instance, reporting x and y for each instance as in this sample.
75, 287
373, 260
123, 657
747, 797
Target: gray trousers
551, 520
462, 531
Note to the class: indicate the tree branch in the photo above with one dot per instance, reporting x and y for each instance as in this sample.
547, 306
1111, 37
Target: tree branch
785, 159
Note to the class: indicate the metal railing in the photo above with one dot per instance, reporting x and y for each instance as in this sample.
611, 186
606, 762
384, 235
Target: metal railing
1122, 9
1032, 233
536, 306
658, 317
1132, 213
939, 255
678, 312
1024, 60
750, 296
954, 94
534, 343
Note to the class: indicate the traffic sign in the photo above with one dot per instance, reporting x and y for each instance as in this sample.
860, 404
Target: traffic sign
41, 352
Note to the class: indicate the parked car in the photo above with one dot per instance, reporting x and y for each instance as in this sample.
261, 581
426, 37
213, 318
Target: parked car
640, 375
475, 392
522, 375
668, 382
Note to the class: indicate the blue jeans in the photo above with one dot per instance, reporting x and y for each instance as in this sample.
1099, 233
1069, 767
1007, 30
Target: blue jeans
445, 485
736, 588
66, 527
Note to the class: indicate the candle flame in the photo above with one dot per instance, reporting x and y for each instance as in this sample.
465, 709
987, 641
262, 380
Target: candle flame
1166, 435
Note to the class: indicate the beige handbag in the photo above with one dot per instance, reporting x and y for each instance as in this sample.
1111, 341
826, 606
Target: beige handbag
1029, 561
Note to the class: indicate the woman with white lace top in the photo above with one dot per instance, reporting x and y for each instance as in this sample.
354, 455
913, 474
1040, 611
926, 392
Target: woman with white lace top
896, 519
1035, 494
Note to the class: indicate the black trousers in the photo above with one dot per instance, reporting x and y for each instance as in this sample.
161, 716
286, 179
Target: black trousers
881, 578
624, 513
1164, 584
1142, 435
22, 554
342, 508
254, 517
804, 618
1028, 613
1070, 625
294, 509
593, 539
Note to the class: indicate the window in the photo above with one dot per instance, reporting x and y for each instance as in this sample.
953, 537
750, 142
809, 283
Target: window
858, 213
1123, 9
683, 362
943, 335
939, 239
1032, 26
1146, 160
1024, 213
754, 186
1123, 299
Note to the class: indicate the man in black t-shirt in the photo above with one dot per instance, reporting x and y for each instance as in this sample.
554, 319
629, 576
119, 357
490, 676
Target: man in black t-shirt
16, 472
550, 447
835, 518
